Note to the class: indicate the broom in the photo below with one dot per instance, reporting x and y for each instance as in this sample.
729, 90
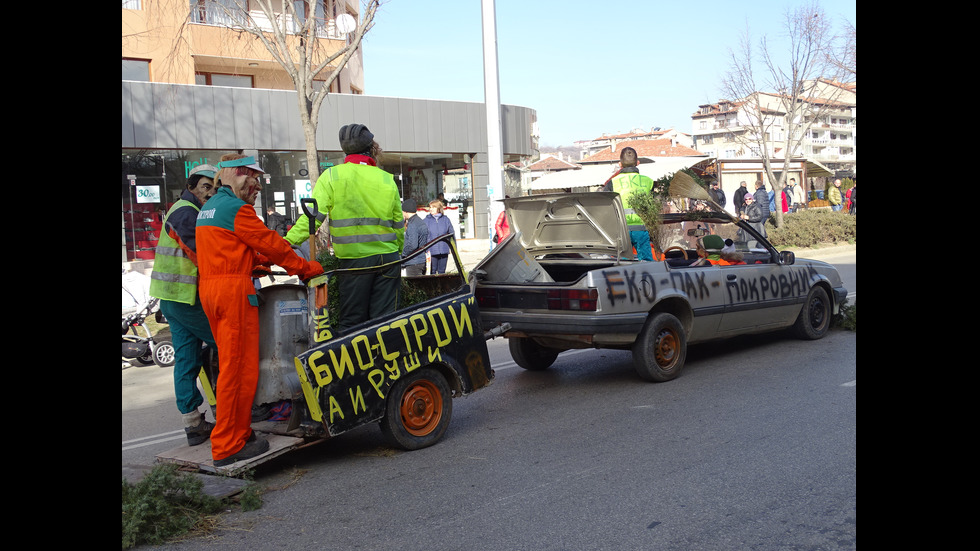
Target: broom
682, 185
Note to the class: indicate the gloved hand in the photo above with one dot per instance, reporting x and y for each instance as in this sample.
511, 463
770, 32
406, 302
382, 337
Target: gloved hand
312, 270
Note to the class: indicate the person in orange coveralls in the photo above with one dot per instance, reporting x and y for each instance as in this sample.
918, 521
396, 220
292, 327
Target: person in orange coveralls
233, 244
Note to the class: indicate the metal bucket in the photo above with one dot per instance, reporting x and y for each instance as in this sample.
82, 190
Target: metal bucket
283, 335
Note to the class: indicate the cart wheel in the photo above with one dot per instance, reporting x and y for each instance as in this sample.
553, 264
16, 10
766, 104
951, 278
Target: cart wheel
163, 354
417, 410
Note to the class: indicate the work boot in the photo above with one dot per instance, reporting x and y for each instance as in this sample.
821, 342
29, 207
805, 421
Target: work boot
252, 448
261, 412
200, 432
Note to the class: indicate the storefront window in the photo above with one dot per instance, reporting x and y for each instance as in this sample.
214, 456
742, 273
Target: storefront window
153, 180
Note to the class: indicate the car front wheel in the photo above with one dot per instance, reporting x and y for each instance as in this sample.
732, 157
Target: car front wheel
814, 319
661, 349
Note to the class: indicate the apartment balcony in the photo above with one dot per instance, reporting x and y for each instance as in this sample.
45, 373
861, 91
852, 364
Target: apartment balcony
221, 17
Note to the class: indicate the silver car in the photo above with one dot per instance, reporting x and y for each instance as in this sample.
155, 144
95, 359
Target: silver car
567, 277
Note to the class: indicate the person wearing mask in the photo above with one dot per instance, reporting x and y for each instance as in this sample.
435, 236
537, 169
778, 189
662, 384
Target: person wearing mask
367, 228
233, 245
628, 181
416, 236
438, 224
174, 281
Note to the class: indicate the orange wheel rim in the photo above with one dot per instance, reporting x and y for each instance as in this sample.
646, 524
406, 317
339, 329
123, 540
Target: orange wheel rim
421, 408
666, 349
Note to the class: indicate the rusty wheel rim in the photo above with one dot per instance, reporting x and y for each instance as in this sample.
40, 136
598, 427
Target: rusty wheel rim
665, 348
421, 408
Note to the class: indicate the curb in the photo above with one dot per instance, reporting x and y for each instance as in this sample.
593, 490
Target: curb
820, 252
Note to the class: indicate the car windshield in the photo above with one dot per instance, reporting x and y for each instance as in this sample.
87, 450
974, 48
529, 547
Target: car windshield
685, 222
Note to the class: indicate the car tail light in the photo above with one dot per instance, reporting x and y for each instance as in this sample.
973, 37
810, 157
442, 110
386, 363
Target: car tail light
486, 298
573, 299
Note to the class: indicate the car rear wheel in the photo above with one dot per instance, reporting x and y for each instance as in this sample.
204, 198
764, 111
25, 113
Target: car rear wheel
814, 319
661, 349
418, 410
531, 355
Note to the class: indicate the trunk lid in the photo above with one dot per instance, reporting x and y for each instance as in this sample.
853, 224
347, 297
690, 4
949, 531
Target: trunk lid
585, 223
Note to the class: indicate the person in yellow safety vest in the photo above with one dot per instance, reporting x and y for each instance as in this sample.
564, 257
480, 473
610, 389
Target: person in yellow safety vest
629, 180
174, 281
366, 225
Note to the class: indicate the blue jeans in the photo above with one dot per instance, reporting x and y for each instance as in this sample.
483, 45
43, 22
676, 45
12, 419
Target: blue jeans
641, 242
189, 327
438, 263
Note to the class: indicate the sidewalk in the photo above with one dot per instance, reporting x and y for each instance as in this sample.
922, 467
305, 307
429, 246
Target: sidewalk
472, 251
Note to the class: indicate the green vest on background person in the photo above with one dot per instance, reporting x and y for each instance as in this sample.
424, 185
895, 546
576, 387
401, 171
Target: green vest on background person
174, 276
626, 183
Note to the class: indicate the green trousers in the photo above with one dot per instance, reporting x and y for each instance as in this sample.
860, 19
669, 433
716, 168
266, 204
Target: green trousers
189, 327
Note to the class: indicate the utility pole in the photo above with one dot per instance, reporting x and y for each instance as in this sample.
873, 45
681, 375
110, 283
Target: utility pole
491, 100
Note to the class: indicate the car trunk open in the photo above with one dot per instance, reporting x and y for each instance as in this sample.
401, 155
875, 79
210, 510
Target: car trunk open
558, 238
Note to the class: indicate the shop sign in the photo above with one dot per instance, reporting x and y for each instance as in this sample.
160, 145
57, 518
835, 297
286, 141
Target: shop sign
147, 194
304, 189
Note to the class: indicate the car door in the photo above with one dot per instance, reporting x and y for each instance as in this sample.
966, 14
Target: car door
760, 296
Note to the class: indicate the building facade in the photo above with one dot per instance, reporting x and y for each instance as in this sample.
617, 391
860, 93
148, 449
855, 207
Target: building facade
172, 123
723, 129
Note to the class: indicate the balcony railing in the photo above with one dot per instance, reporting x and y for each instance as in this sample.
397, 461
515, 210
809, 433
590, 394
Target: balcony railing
229, 17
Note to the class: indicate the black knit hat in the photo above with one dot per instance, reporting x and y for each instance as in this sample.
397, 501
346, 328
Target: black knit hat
355, 138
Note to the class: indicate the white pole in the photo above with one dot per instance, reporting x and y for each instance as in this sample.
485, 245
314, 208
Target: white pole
491, 86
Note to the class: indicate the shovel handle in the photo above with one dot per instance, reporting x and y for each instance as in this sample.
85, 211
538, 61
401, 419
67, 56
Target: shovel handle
311, 216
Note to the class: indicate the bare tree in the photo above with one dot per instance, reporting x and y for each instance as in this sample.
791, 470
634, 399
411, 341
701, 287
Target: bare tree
293, 40
778, 122
846, 59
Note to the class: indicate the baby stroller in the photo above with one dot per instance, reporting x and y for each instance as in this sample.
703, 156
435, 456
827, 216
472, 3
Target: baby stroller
138, 345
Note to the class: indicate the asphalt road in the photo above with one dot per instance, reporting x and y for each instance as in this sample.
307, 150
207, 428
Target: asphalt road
752, 447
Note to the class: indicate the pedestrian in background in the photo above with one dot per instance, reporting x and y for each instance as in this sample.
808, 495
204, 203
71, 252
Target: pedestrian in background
762, 199
416, 236
502, 227
796, 195
752, 213
835, 197
438, 224
275, 221
739, 198
718, 194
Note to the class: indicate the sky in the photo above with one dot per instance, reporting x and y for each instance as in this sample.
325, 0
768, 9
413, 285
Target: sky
586, 67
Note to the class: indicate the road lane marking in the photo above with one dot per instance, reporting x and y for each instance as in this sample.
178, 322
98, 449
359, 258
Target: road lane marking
154, 439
